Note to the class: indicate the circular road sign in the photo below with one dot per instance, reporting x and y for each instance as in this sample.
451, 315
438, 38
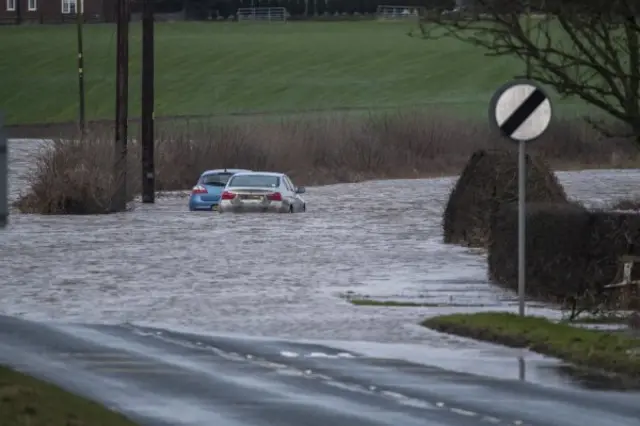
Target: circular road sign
520, 110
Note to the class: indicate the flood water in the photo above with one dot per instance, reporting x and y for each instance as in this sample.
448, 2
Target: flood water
276, 275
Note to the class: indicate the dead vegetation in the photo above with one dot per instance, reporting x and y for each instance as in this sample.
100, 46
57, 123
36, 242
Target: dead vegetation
72, 176
77, 177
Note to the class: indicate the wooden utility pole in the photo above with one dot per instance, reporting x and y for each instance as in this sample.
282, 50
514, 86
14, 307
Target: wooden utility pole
18, 12
528, 30
4, 177
148, 102
122, 103
81, 121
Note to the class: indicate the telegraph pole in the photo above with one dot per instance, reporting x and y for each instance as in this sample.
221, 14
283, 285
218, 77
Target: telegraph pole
122, 102
148, 101
18, 12
4, 177
528, 30
79, 19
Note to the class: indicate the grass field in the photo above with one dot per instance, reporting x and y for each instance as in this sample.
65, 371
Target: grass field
222, 68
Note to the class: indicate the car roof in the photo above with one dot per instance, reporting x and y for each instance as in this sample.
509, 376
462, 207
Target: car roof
249, 173
216, 171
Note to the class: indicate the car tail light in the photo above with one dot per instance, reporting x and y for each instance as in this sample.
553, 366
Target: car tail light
226, 195
276, 196
199, 189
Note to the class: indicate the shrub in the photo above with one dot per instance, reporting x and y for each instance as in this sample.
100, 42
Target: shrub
73, 177
556, 249
489, 180
571, 254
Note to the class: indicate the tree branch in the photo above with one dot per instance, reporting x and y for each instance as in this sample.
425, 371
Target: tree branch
589, 49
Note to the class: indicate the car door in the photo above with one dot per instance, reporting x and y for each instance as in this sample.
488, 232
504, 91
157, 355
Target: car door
296, 199
288, 193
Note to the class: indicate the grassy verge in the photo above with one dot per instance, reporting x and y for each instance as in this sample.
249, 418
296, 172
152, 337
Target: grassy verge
25, 401
613, 319
612, 352
226, 68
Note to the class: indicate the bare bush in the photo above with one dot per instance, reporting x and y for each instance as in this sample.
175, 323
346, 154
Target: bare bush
73, 176
76, 177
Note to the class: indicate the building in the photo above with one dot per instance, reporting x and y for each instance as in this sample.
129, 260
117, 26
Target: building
55, 11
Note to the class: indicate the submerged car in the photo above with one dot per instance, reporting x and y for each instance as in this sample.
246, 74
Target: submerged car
205, 195
262, 192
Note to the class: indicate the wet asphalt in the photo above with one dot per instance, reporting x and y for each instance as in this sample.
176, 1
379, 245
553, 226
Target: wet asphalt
159, 378
258, 287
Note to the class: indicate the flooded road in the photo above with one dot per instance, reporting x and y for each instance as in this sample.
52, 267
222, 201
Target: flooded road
273, 275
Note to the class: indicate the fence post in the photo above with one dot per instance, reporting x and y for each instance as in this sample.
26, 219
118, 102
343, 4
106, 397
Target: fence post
624, 277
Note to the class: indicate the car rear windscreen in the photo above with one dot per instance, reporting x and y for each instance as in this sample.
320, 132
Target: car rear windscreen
216, 179
257, 181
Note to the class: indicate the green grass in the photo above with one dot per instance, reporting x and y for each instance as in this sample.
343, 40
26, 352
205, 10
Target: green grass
613, 352
25, 401
223, 68
601, 319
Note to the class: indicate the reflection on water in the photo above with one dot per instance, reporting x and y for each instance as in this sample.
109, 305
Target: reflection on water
593, 379
522, 369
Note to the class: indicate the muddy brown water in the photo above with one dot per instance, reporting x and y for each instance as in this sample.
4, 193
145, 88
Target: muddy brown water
277, 275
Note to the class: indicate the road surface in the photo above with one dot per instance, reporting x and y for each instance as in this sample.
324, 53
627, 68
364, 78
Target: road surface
159, 378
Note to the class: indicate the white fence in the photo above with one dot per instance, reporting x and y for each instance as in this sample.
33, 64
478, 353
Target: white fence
400, 13
262, 14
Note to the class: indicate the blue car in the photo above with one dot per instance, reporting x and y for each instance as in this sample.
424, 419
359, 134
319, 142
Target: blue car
205, 195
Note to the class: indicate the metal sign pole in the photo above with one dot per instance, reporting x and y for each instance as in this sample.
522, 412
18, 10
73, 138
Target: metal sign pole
521, 111
522, 188
4, 176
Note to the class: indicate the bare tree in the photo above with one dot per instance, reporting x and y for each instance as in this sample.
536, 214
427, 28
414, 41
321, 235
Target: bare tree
584, 48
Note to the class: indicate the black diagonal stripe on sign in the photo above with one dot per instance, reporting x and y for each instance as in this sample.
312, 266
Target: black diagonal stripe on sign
523, 112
